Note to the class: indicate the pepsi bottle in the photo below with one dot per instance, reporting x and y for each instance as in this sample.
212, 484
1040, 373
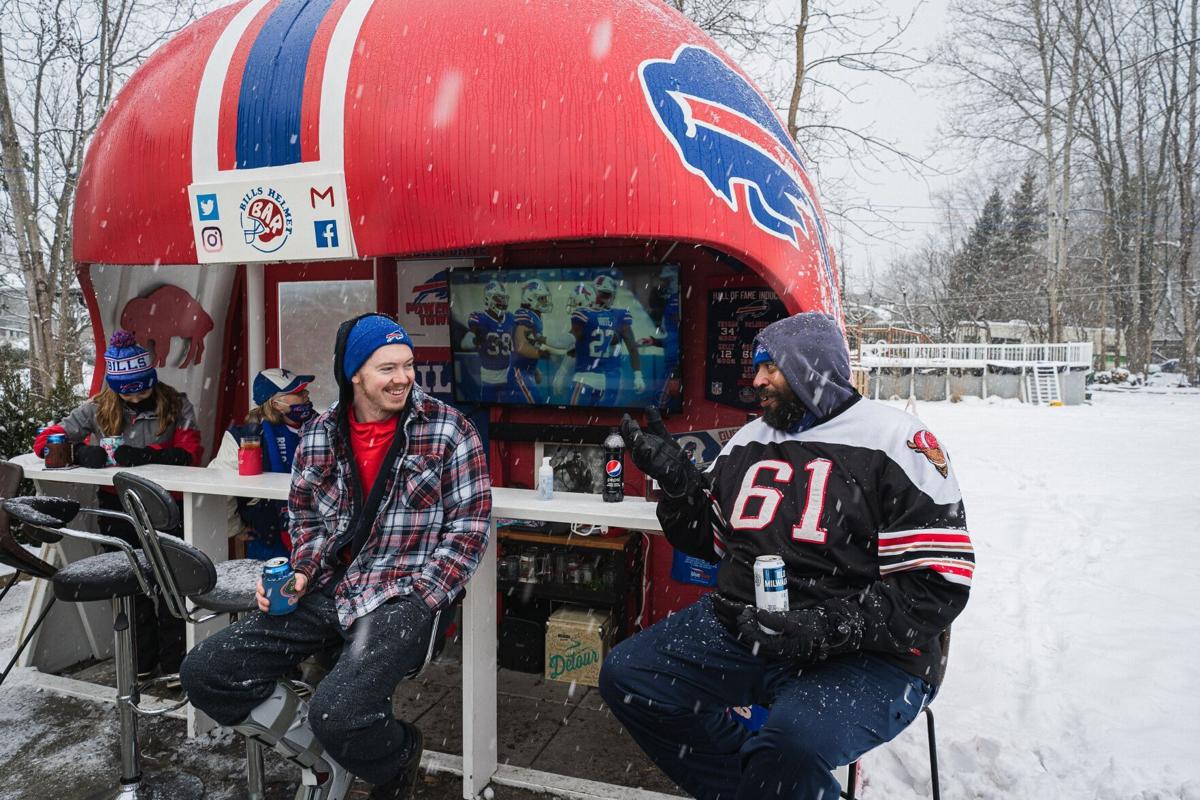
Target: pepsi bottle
614, 467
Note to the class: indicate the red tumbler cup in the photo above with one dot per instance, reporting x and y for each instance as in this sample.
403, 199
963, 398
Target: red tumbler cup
250, 456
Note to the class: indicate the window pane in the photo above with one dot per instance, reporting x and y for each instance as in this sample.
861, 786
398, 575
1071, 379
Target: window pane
309, 315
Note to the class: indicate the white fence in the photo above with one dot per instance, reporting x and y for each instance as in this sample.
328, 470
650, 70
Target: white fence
977, 356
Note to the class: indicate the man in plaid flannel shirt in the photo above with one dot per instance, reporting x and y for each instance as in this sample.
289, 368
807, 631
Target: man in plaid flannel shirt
389, 504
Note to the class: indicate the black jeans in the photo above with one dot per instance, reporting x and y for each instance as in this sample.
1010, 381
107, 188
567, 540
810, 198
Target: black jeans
231, 672
159, 636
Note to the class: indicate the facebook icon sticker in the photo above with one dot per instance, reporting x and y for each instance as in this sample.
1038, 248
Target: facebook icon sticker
206, 206
326, 232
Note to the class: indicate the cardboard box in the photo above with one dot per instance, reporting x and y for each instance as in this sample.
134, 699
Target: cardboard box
577, 640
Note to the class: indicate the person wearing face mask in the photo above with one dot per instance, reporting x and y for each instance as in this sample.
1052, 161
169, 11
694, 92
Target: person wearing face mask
134, 420
137, 418
282, 406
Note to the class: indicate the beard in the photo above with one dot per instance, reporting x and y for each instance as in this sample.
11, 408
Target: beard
787, 410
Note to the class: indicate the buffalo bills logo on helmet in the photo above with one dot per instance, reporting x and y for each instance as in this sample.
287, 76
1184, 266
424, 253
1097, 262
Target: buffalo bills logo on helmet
726, 132
751, 310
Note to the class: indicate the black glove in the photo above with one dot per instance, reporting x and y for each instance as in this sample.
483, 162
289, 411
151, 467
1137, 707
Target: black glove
726, 609
175, 456
659, 456
90, 456
806, 634
129, 456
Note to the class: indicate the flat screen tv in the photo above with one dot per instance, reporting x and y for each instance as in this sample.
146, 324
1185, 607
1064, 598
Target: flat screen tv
598, 337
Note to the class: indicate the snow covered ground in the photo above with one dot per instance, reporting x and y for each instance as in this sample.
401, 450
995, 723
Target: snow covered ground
1075, 670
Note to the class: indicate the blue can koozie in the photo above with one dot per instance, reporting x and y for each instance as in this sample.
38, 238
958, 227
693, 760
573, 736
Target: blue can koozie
279, 585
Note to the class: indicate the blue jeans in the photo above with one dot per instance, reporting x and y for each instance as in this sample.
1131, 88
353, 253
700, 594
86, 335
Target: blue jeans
671, 687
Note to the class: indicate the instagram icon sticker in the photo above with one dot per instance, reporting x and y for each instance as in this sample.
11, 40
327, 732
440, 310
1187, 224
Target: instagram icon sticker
210, 239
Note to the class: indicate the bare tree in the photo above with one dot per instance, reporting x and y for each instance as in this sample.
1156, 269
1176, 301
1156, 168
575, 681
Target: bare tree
827, 49
1127, 128
920, 285
1181, 82
1019, 68
60, 62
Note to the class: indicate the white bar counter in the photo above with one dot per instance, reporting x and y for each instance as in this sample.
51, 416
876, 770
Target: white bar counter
205, 497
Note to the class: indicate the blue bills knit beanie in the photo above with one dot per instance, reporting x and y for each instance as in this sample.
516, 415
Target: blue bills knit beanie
128, 367
368, 335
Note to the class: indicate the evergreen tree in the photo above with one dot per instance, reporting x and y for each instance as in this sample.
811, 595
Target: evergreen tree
977, 271
1022, 254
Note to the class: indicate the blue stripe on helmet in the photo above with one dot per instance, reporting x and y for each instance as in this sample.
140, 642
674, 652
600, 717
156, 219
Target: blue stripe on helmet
272, 91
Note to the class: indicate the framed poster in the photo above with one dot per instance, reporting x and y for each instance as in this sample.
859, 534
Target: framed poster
423, 308
577, 467
735, 316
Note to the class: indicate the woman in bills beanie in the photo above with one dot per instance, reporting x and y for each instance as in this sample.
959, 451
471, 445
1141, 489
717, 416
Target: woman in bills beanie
134, 420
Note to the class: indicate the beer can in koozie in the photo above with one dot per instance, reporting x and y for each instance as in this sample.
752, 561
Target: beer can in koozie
279, 585
770, 585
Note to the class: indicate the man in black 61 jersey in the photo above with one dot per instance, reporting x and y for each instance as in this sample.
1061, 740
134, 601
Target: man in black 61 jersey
861, 502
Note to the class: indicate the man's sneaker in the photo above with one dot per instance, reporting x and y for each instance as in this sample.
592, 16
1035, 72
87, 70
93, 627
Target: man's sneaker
401, 787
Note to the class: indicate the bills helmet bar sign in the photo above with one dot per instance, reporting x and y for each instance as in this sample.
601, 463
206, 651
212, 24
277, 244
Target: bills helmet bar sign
262, 136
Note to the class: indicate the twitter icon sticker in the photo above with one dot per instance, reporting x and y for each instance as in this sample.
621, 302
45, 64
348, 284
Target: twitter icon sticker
206, 204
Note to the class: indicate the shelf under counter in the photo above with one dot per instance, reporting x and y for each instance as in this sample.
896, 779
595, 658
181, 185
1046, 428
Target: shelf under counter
562, 592
569, 540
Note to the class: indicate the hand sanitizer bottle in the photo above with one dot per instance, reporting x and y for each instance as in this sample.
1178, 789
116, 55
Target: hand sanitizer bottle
545, 481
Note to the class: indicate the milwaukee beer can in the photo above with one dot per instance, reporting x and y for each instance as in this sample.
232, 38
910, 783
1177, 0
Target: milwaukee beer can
279, 585
770, 585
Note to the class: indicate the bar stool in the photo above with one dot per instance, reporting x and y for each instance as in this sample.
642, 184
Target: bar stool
117, 576
935, 783
319, 665
150, 509
12, 554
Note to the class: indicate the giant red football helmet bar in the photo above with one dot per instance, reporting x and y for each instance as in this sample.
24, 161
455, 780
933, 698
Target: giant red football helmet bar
453, 125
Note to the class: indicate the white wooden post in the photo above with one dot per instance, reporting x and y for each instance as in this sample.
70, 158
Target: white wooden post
256, 321
479, 674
